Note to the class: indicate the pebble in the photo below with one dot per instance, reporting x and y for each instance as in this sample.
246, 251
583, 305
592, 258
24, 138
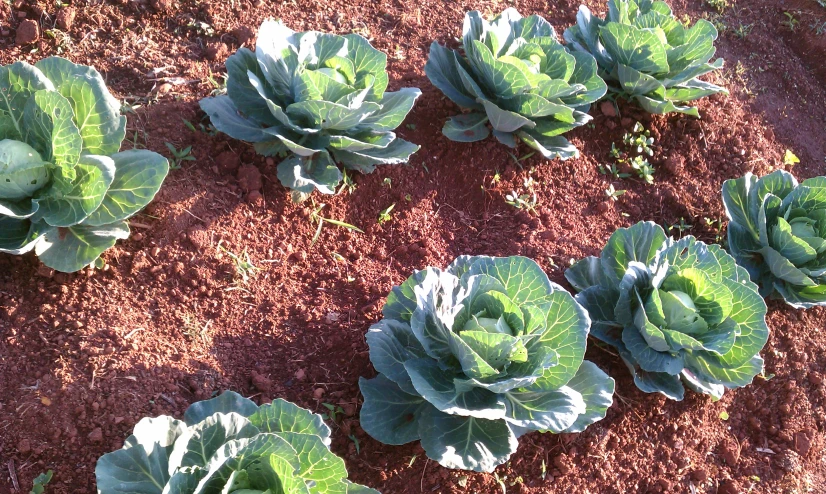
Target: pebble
96, 435
729, 487
24, 446
66, 18
607, 109
27, 32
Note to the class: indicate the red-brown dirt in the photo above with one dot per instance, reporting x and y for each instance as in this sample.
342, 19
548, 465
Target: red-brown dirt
170, 321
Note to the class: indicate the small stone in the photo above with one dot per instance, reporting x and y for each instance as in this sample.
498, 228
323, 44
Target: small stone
331, 318
228, 162
729, 487
674, 164
27, 32
45, 271
255, 197
261, 382
300, 374
24, 446
165, 88
216, 51
162, 5
607, 108
66, 18
96, 435
699, 475
562, 463
803, 442
318, 393
731, 453
243, 34
249, 178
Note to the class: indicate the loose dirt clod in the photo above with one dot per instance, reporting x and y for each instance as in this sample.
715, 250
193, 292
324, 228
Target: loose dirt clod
216, 51
27, 32
249, 178
66, 18
243, 34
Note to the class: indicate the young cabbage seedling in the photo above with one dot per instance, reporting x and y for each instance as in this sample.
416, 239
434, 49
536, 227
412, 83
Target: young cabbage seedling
384, 215
612, 193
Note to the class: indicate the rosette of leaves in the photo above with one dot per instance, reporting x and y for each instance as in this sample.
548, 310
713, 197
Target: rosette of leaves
228, 444
644, 53
472, 357
65, 190
679, 312
317, 98
515, 77
777, 231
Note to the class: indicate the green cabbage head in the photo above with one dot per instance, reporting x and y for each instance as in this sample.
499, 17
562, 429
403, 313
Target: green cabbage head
65, 190
777, 231
472, 357
678, 311
317, 98
515, 77
228, 445
646, 54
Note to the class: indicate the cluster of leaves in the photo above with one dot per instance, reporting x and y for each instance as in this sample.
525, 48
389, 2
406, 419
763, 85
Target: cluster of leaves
472, 357
678, 312
319, 98
637, 148
65, 190
40, 482
517, 78
228, 444
777, 231
644, 53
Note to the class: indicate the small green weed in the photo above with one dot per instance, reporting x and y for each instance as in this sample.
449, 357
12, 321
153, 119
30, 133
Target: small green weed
384, 214
179, 155
315, 215
39, 483
244, 268
791, 21
719, 5
612, 193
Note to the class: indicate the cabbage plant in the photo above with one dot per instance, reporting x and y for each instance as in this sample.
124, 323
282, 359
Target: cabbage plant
646, 54
515, 77
318, 99
228, 445
472, 357
777, 231
679, 312
65, 190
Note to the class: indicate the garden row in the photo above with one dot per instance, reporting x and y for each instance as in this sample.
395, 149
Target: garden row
470, 357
